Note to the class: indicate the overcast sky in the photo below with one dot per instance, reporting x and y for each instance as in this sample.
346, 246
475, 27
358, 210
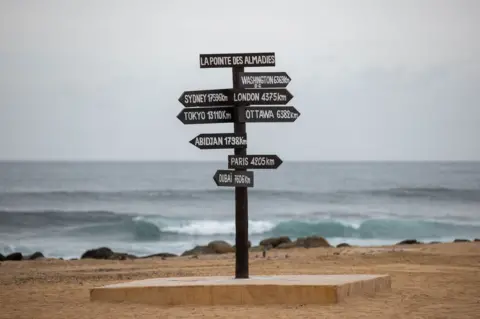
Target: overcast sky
373, 80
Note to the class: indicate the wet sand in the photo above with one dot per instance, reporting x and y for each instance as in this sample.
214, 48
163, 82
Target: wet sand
428, 281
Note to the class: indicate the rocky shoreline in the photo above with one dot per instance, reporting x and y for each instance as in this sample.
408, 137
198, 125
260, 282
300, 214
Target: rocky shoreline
212, 248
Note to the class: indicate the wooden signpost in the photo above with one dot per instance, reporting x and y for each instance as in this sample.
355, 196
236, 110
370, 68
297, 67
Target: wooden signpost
257, 97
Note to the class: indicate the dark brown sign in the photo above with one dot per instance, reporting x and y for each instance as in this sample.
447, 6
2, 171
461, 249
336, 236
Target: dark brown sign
228, 60
254, 161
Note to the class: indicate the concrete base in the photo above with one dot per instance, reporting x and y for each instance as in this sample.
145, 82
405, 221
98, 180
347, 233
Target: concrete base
257, 290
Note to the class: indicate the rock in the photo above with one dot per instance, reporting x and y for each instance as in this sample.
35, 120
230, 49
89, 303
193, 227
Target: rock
275, 241
35, 255
162, 255
312, 242
106, 253
122, 256
343, 245
409, 242
2, 257
434, 242
220, 247
461, 241
286, 246
199, 250
14, 257
98, 253
476, 239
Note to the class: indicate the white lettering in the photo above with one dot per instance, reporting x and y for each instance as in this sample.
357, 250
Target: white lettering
259, 114
219, 60
242, 179
217, 97
259, 80
239, 161
194, 115
195, 98
286, 114
219, 115
225, 178
209, 141
246, 96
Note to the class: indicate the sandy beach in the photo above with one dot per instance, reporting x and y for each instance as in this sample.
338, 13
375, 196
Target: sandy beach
428, 281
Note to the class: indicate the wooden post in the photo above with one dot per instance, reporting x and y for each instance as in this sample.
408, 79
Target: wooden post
241, 197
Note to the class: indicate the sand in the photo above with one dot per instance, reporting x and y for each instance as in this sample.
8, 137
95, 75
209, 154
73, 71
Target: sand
428, 281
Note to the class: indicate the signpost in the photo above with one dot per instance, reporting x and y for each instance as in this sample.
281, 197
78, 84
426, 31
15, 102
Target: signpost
219, 97
233, 178
254, 161
223, 97
262, 96
259, 80
238, 60
255, 97
258, 114
220, 140
207, 115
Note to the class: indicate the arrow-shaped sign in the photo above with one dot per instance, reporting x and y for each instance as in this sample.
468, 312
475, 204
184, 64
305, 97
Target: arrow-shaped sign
220, 140
258, 80
270, 114
254, 114
228, 178
262, 96
254, 161
220, 97
227, 97
204, 115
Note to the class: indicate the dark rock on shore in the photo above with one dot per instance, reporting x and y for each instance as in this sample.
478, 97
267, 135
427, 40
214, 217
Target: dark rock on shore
212, 248
162, 255
409, 242
14, 257
275, 241
2, 257
106, 253
221, 247
199, 250
476, 239
312, 242
35, 255
343, 245
461, 241
304, 242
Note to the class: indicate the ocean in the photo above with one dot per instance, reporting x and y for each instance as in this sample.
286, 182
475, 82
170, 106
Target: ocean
63, 209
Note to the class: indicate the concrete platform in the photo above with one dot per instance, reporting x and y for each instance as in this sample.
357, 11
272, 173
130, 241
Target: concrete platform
257, 290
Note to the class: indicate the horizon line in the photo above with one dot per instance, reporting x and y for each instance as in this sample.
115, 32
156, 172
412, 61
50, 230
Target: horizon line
223, 161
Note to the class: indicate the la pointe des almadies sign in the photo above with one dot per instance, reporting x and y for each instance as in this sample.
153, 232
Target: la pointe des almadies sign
257, 97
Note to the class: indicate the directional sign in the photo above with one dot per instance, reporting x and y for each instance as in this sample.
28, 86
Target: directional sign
229, 178
257, 80
254, 161
220, 140
227, 60
204, 115
221, 97
262, 96
270, 114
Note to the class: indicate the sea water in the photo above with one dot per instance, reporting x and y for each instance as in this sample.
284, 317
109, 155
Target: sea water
63, 209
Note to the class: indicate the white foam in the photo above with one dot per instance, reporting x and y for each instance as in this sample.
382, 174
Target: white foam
212, 227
